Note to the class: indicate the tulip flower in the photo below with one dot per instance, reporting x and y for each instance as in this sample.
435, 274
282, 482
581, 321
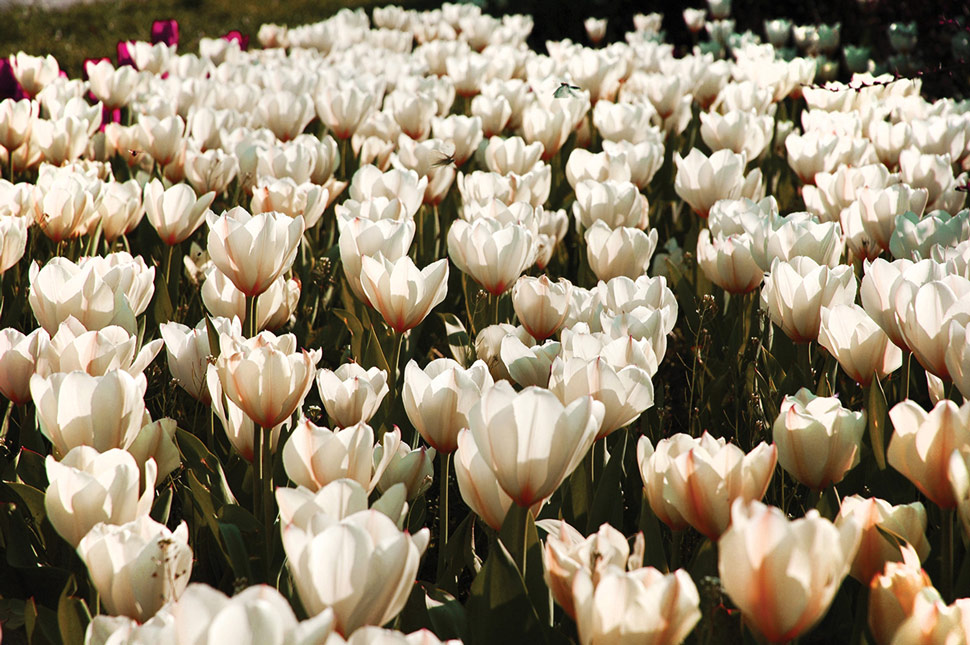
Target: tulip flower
488, 347
403, 294
566, 552
412, 468
258, 613
34, 72
362, 236
315, 456
639, 606
163, 137
75, 409
702, 479
783, 574
16, 120
933, 621
156, 441
175, 212
87, 488
438, 398
137, 567
924, 313
817, 439
104, 629
701, 181
253, 250
861, 347
599, 168
73, 348
187, 350
614, 203
494, 111
404, 185
351, 394
63, 208
619, 252
274, 307
211, 170
876, 517
120, 209
478, 485
367, 587
512, 155
795, 292
13, 240
490, 252
266, 377
293, 199
892, 594
339, 499
922, 443
729, 262
528, 365
530, 440
541, 305
343, 108
19, 355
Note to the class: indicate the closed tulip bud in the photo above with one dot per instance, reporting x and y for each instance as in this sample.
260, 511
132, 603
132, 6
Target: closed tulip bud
162, 137
76, 409
568, 552
817, 439
413, 468
492, 253
530, 440
922, 443
253, 250
314, 456
378, 573
701, 181
237, 424
137, 567
285, 113
795, 292
618, 252
892, 593
876, 517
34, 72
639, 606
924, 313
858, 343
73, 348
439, 397
19, 356
266, 377
176, 212
351, 394
87, 487
343, 108
783, 574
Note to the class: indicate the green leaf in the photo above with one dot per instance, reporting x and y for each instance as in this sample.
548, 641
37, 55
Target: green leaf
519, 535
654, 555
235, 548
417, 514
32, 469
607, 503
162, 506
32, 498
205, 465
72, 616
577, 495
448, 616
498, 607
458, 554
458, 339
356, 330
876, 409
163, 307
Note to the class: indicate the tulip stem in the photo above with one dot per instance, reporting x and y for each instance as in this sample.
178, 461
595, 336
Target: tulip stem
946, 556
397, 339
263, 490
249, 328
443, 511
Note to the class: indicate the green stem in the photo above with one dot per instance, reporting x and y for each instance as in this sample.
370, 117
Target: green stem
5, 429
249, 327
525, 542
397, 339
805, 361
909, 360
264, 508
946, 555
443, 504
498, 300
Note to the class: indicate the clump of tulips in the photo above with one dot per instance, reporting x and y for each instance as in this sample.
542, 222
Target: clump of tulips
468, 343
